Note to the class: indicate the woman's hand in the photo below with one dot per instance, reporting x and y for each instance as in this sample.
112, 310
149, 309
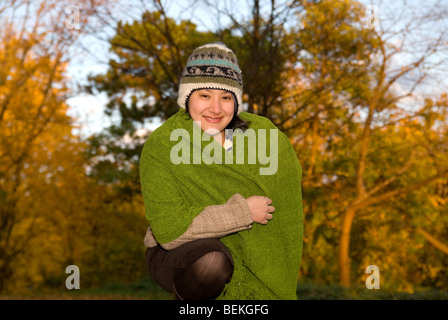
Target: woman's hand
260, 208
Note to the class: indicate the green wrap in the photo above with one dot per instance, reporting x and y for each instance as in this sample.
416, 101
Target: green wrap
266, 257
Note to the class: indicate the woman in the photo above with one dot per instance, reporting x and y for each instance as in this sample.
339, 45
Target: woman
209, 197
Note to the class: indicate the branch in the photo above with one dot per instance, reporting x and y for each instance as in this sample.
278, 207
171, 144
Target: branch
435, 242
399, 191
311, 96
406, 118
393, 177
361, 163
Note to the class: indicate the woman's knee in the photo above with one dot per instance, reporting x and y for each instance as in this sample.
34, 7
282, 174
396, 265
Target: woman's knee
205, 278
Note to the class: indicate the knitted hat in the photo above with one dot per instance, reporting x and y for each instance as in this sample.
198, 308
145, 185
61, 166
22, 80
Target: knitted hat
211, 66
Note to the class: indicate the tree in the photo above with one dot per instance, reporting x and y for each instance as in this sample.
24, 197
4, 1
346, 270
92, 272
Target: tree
382, 102
33, 121
352, 90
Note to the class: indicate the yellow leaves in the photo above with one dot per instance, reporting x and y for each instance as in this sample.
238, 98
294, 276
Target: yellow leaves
433, 271
417, 246
331, 224
437, 201
40, 163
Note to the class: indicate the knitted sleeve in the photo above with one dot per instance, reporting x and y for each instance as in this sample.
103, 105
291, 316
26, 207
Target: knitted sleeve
215, 221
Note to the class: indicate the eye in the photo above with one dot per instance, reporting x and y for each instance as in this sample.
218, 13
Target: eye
227, 97
205, 96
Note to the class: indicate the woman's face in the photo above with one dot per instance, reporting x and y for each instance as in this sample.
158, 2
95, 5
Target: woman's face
213, 108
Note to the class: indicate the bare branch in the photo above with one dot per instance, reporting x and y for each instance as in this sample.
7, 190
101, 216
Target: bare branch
434, 241
394, 177
398, 192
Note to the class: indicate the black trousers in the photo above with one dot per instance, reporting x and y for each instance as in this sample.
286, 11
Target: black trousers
197, 270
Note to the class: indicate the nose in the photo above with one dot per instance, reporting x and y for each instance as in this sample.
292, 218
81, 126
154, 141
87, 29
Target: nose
215, 105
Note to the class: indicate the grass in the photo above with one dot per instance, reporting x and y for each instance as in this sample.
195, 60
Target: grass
337, 292
147, 289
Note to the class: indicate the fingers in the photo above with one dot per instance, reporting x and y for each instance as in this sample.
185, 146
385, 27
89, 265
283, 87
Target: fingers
263, 213
270, 209
267, 219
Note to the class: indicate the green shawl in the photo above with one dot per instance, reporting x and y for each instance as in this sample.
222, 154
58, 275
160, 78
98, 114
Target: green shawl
266, 257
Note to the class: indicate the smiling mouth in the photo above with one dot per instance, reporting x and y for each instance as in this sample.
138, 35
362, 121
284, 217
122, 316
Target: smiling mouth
213, 120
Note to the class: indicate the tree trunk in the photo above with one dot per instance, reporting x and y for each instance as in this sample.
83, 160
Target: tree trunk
344, 249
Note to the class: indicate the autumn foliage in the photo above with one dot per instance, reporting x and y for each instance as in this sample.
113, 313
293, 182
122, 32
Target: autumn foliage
371, 136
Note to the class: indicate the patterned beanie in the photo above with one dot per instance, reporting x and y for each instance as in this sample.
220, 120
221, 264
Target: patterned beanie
211, 66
